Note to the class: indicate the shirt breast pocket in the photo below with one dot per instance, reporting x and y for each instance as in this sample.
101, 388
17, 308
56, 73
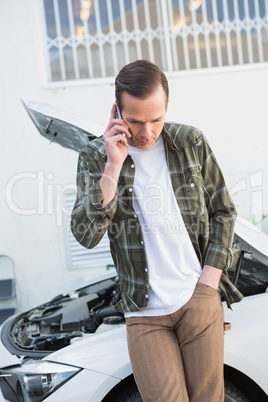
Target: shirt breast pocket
195, 191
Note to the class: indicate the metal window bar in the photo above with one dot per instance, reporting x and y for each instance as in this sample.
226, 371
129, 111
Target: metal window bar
87, 42
266, 14
238, 33
258, 30
149, 30
74, 47
253, 27
216, 33
59, 39
184, 35
124, 30
166, 53
137, 31
99, 36
195, 30
206, 28
173, 35
227, 24
112, 35
248, 27
47, 42
160, 34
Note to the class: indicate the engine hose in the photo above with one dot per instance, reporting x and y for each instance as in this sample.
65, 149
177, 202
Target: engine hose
106, 312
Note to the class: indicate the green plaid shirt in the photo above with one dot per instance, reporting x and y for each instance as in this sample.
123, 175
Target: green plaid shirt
205, 204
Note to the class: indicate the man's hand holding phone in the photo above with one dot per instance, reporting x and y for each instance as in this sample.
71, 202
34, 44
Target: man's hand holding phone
115, 139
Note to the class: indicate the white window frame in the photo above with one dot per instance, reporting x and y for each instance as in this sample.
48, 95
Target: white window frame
168, 35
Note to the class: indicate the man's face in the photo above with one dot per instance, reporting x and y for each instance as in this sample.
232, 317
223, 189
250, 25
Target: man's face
145, 118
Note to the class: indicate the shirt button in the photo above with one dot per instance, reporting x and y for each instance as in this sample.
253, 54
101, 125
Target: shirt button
132, 166
192, 184
130, 190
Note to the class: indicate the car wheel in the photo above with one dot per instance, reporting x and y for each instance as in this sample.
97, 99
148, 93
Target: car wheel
233, 394
128, 392
131, 394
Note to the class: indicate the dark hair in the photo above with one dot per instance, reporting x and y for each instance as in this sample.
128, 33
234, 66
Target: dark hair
140, 78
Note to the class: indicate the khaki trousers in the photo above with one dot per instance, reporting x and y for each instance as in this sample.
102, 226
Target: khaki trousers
179, 357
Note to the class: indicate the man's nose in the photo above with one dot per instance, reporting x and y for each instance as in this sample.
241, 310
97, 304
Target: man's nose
146, 131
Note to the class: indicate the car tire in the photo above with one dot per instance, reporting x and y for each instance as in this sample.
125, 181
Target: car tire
131, 394
233, 394
128, 392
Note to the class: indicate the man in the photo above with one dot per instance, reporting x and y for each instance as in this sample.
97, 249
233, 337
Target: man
159, 192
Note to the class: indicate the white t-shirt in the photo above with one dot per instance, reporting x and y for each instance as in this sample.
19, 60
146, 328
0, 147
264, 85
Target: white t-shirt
173, 265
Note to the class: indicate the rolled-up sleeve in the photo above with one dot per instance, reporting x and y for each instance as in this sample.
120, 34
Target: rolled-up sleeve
219, 256
221, 212
90, 219
96, 198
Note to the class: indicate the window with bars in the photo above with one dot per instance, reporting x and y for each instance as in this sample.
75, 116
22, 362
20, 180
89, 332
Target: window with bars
88, 39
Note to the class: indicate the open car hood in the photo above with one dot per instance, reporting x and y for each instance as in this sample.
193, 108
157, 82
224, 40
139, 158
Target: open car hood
60, 126
56, 324
252, 239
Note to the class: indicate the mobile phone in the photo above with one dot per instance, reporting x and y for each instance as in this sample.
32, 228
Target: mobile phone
118, 115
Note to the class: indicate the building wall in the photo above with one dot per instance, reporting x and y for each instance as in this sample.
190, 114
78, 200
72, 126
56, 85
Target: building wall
229, 104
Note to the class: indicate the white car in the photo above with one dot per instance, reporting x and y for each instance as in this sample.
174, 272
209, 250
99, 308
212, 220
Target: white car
74, 347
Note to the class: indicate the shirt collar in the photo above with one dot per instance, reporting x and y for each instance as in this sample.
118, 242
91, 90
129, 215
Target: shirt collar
168, 139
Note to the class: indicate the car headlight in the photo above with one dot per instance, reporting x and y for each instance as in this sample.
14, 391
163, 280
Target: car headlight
34, 381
